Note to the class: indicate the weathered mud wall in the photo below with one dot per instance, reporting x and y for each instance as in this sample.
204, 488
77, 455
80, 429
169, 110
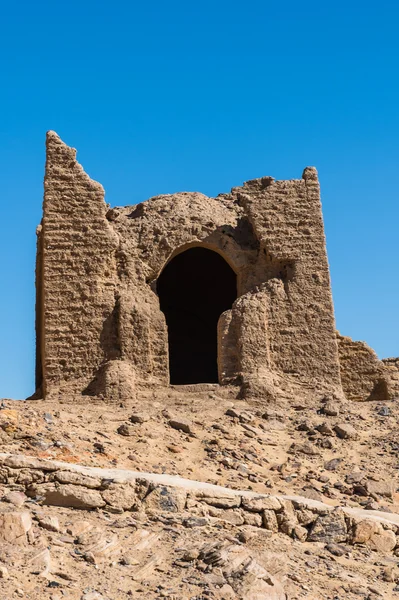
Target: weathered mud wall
363, 375
392, 372
76, 271
287, 220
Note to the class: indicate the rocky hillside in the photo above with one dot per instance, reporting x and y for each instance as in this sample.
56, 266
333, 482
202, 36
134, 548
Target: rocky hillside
193, 494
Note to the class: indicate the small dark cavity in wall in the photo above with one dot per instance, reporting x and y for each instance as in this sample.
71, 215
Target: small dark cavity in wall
380, 391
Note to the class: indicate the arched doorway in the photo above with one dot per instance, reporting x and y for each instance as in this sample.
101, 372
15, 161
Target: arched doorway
194, 289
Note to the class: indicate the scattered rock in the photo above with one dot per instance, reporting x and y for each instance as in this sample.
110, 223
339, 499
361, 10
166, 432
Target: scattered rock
126, 430
79, 527
14, 527
245, 536
246, 576
389, 574
260, 503
182, 425
78, 479
165, 499
355, 477
383, 541
4, 574
226, 592
270, 520
254, 519
327, 443
209, 513
307, 425
305, 448
190, 555
219, 500
73, 496
121, 496
359, 590
41, 562
9, 419
372, 505
374, 535
273, 415
333, 464
99, 545
139, 417
191, 522
273, 425
99, 447
312, 494
174, 448
363, 530
92, 596
16, 498
246, 417
331, 408
346, 431
385, 488
360, 490
48, 417
336, 549
329, 528
232, 412
49, 522
325, 429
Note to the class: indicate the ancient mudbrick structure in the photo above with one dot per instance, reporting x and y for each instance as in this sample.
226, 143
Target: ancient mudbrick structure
183, 289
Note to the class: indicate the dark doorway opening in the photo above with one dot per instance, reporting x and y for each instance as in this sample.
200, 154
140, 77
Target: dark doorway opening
194, 289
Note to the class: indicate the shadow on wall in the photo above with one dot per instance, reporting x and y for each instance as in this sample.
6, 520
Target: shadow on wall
109, 335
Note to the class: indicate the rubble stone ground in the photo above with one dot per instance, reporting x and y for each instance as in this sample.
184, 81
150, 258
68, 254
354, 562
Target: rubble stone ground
93, 504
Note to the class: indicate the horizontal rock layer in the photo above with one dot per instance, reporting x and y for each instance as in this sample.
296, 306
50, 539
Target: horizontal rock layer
193, 503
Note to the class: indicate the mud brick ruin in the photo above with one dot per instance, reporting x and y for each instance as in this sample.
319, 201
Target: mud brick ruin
186, 289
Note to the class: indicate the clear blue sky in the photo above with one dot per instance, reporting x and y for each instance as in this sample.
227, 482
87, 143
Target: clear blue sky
163, 96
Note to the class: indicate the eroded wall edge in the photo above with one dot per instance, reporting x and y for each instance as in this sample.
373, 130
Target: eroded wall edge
78, 270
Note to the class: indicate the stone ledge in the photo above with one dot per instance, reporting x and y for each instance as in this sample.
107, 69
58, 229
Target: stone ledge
194, 503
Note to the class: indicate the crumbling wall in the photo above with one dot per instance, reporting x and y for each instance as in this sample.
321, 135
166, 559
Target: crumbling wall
143, 336
76, 271
287, 220
363, 375
97, 273
271, 233
151, 234
243, 338
392, 372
